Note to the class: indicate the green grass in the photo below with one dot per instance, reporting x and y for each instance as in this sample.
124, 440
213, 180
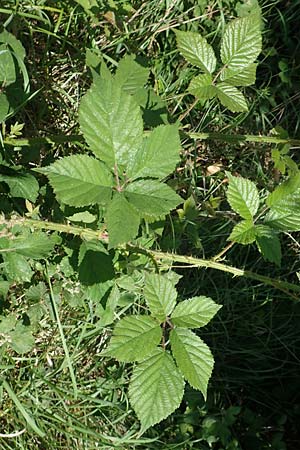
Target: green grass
63, 394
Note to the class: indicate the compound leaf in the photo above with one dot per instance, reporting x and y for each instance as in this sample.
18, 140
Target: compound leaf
152, 198
156, 388
242, 196
231, 97
130, 75
268, 243
196, 50
160, 295
244, 77
158, 155
202, 87
111, 122
194, 312
193, 358
243, 232
134, 338
123, 220
241, 43
80, 180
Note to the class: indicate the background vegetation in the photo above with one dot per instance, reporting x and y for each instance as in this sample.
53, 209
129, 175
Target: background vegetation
253, 398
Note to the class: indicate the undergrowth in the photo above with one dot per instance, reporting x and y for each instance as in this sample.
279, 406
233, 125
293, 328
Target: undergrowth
61, 392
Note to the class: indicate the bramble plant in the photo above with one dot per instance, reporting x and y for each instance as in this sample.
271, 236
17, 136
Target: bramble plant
156, 387
115, 195
240, 46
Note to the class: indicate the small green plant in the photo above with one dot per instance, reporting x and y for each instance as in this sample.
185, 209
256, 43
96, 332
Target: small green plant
262, 223
157, 383
240, 46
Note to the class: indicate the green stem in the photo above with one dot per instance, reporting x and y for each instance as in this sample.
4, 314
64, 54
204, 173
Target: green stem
244, 138
60, 139
283, 286
55, 139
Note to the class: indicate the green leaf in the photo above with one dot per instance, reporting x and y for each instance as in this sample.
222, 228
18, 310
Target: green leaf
23, 185
156, 388
111, 122
33, 245
244, 77
7, 66
284, 191
196, 50
130, 75
80, 180
123, 221
195, 312
4, 107
268, 244
284, 203
22, 340
158, 155
95, 263
134, 338
84, 217
17, 268
193, 358
231, 97
242, 196
13, 43
285, 216
243, 232
241, 43
152, 198
160, 295
202, 87
154, 109
7, 324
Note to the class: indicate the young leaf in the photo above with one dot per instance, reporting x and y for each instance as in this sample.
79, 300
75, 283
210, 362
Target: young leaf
195, 312
242, 196
268, 244
241, 43
80, 180
156, 388
111, 122
231, 97
134, 338
158, 155
123, 221
160, 295
193, 358
23, 185
196, 50
130, 75
202, 87
152, 198
243, 232
244, 77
